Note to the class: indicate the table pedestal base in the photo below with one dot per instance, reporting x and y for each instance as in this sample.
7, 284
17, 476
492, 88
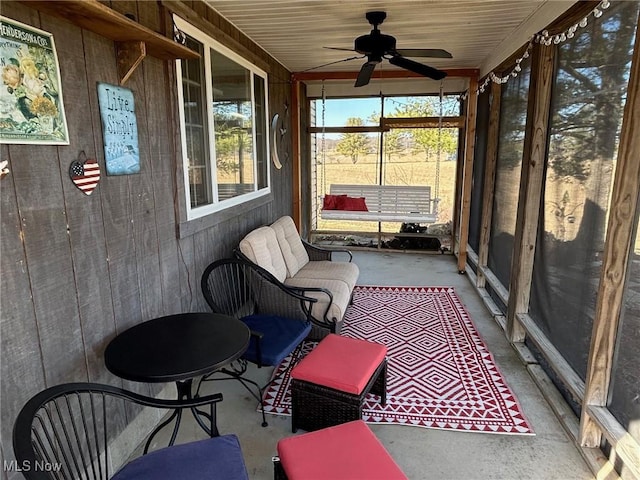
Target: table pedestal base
184, 393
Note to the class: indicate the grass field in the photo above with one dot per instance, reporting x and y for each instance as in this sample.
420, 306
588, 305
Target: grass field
400, 170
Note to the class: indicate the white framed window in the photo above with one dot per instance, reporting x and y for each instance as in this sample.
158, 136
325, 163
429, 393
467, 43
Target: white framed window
223, 122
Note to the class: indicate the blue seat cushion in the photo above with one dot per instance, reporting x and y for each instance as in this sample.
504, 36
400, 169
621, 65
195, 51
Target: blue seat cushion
218, 458
280, 336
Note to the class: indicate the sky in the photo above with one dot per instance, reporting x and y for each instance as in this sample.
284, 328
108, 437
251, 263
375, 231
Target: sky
338, 110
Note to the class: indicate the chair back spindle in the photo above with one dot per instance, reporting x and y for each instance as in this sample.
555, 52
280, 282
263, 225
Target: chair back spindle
65, 431
226, 290
70, 436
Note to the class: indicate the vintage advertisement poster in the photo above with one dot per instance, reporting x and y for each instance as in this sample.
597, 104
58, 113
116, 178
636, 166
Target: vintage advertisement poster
119, 129
31, 106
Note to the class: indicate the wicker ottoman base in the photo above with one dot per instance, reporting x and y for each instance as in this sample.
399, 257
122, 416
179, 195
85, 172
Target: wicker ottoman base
314, 406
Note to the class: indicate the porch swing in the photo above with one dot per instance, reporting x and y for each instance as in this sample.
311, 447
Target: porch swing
382, 203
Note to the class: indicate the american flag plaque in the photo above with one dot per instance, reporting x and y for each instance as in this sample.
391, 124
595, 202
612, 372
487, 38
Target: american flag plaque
85, 174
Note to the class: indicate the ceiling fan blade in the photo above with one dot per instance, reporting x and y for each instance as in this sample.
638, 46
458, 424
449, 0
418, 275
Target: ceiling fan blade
423, 52
333, 63
341, 49
418, 68
365, 74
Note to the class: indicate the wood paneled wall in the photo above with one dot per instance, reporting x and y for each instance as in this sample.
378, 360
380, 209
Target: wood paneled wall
78, 269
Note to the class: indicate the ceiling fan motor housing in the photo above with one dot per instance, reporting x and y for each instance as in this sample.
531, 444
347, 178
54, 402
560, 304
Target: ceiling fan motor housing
376, 44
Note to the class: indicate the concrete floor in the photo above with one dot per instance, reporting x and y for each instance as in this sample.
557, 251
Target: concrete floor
424, 453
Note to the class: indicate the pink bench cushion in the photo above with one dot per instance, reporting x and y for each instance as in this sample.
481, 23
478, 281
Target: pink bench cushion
346, 451
342, 363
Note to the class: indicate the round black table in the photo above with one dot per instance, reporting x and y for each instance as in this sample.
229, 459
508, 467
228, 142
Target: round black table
177, 348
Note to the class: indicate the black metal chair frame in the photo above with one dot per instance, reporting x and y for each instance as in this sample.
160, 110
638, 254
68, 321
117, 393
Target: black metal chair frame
288, 293
257, 294
63, 431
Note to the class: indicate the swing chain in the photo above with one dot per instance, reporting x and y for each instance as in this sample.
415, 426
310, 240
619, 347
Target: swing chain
323, 146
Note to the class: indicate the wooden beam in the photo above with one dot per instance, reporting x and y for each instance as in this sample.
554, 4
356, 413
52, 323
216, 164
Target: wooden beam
617, 249
392, 122
467, 173
457, 195
531, 181
495, 284
489, 180
94, 16
627, 448
423, 122
565, 372
296, 170
353, 129
599, 464
382, 74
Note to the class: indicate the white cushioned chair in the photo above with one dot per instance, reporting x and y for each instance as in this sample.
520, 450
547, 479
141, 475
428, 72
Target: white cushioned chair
304, 269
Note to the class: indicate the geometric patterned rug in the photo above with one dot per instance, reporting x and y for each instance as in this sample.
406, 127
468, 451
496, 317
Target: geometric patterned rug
440, 373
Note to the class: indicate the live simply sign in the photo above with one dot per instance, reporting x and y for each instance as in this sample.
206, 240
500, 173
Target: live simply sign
119, 129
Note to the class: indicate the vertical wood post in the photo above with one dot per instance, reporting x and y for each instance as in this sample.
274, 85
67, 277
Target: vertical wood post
467, 172
457, 191
531, 180
617, 248
489, 181
296, 170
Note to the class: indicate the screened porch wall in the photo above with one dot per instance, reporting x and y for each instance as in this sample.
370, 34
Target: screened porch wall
513, 119
584, 131
588, 91
479, 163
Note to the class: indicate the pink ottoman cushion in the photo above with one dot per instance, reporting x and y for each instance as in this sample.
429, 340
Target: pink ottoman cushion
342, 363
346, 451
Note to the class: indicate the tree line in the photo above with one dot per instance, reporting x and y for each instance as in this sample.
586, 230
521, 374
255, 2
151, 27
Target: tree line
425, 141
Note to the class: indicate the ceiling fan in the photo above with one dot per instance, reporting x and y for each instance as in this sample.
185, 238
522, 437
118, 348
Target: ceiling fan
377, 46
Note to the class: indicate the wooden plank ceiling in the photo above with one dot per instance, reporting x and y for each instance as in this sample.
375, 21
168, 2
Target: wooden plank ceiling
295, 32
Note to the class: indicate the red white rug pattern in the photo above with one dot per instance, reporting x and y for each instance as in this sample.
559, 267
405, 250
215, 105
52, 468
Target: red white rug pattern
440, 372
